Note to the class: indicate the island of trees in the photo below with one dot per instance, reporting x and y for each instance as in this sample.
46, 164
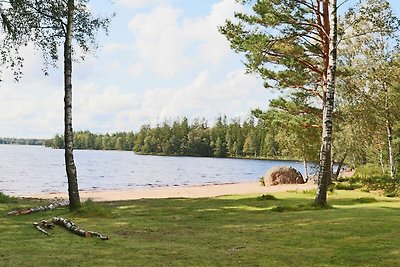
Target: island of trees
22, 141
181, 138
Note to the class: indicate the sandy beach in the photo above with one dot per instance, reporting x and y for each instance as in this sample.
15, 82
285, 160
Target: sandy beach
179, 192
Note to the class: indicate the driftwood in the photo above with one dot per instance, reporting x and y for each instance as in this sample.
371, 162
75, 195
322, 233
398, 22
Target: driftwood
71, 226
39, 208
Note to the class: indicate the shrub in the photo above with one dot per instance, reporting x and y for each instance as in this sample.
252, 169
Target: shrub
393, 191
366, 200
368, 170
268, 197
311, 192
91, 208
7, 199
262, 181
300, 207
346, 186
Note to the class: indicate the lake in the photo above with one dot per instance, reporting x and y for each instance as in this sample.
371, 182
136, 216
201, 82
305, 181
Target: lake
36, 169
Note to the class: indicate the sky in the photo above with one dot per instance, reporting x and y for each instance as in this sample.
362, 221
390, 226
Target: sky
162, 59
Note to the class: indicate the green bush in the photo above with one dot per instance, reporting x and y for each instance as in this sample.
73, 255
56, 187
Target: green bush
346, 186
262, 181
6, 199
268, 197
368, 170
370, 177
393, 191
311, 192
366, 200
300, 207
92, 209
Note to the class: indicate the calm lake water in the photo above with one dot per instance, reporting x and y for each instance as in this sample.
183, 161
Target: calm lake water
36, 169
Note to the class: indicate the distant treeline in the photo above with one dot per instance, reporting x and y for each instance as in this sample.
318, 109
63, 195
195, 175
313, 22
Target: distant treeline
179, 138
91, 141
22, 141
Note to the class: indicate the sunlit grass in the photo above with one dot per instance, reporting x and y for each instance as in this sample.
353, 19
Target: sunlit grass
361, 229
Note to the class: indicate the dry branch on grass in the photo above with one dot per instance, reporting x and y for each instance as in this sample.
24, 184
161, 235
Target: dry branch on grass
43, 224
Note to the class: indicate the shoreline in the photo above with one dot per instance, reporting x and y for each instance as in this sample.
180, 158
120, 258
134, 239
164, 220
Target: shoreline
200, 191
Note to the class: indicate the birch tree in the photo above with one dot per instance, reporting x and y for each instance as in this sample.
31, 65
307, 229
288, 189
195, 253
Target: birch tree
371, 58
14, 33
68, 24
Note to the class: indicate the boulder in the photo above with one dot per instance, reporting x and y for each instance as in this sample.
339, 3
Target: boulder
283, 175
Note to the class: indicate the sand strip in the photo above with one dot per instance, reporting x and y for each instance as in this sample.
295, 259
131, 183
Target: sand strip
179, 192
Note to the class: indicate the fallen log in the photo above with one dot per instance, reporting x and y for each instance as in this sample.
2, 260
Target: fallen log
71, 226
51, 206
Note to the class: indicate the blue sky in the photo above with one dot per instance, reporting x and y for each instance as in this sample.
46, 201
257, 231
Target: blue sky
162, 59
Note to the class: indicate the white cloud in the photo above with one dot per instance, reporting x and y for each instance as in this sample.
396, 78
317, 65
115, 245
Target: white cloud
115, 47
171, 43
119, 91
138, 3
235, 95
111, 109
159, 40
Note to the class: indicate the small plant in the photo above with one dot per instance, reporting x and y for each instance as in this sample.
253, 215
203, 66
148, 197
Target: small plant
392, 192
366, 200
7, 199
346, 186
311, 192
262, 181
331, 189
279, 209
300, 207
91, 208
268, 197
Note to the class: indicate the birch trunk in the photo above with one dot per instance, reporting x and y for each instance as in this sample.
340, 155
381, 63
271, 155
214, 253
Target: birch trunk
39, 208
305, 170
381, 161
73, 193
325, 172
340, 164
71, 226
390, 145
389, 134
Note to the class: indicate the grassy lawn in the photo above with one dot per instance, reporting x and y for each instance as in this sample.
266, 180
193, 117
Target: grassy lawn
360, 229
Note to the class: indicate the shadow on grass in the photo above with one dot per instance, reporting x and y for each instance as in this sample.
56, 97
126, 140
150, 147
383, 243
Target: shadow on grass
360, 200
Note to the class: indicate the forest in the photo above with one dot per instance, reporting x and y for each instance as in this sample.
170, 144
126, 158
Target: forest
181, 138
22, 141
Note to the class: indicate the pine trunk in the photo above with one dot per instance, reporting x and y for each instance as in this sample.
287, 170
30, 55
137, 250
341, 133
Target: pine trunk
325, 172
73, 192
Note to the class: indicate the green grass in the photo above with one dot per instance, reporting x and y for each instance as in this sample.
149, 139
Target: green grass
359, 229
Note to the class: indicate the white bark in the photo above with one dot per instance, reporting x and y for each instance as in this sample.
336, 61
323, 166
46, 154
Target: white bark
73, 192
305, 170
71, 226
39, 208
389, 134
325, 172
